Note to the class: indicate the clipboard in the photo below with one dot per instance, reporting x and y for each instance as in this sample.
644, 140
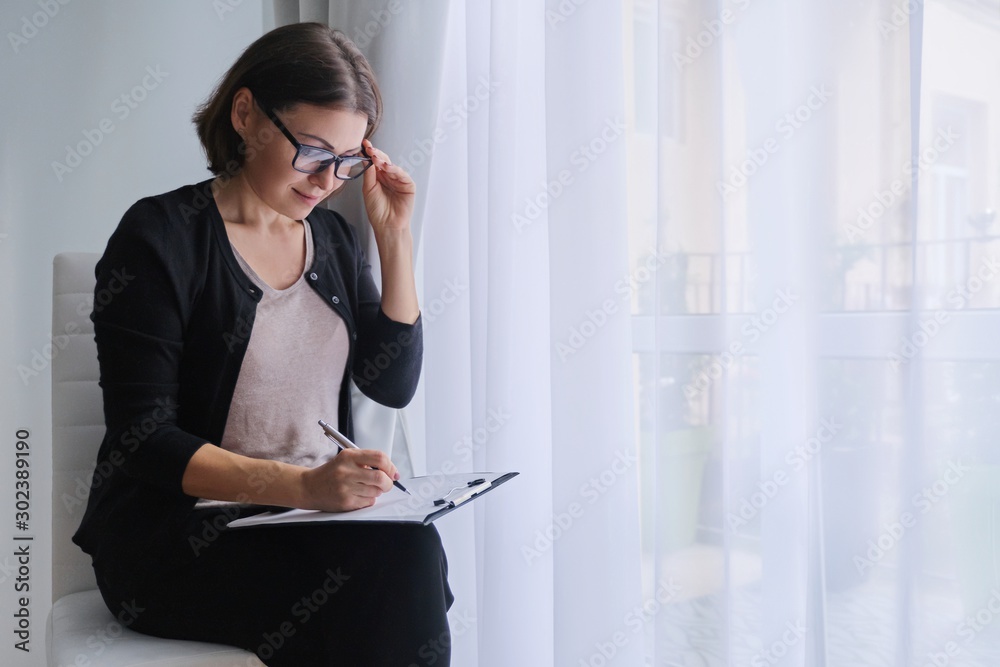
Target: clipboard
430, 498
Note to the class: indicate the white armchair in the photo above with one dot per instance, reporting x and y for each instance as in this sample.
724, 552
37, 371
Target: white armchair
81, 630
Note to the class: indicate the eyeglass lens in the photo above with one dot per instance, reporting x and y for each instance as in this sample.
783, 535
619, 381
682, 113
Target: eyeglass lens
311, 160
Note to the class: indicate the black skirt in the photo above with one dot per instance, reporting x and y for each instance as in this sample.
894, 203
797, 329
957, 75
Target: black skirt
342, 593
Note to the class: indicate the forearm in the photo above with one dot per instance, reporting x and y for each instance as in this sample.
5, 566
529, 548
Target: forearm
217, 474
399, 290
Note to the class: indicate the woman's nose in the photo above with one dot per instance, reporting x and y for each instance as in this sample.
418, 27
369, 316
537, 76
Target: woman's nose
325, 179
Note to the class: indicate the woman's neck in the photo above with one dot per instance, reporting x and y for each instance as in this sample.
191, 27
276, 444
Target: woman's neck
239, 204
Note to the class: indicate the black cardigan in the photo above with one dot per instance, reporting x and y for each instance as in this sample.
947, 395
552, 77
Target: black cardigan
172, 317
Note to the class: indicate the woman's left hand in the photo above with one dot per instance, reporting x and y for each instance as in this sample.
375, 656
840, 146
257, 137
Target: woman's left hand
389, 193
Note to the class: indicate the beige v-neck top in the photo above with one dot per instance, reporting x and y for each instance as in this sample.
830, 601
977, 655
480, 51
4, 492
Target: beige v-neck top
290, 377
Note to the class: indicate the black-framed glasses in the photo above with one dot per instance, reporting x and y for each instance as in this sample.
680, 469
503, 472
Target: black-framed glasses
313, 159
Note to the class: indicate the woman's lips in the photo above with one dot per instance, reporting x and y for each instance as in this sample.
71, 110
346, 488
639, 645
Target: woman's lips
307, 198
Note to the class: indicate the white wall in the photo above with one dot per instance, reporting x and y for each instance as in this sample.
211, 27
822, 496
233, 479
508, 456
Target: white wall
59, 82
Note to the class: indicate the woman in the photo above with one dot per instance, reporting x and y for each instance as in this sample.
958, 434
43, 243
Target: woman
244, 312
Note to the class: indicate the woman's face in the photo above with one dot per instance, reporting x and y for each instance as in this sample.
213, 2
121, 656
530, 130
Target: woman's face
268, 161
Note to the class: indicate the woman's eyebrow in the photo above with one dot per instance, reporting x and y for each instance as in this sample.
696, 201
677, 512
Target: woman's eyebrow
327, 143
319, 139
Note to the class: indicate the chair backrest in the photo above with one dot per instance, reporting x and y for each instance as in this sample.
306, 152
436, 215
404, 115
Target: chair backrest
77, 416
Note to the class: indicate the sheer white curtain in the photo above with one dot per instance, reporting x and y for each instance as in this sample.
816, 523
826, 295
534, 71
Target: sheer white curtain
719, 279
554, 559
816, 364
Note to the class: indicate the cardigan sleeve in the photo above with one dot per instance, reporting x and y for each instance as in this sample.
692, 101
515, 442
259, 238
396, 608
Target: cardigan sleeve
389, 353
141, 302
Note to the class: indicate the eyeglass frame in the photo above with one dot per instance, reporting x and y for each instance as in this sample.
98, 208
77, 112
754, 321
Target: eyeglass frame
336, 159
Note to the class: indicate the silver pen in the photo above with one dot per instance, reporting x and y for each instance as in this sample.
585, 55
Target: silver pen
344, 442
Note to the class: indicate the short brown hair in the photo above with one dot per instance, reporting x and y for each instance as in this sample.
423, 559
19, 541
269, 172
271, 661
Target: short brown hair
296, 63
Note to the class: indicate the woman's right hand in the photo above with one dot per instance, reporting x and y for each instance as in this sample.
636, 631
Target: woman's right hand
346, 482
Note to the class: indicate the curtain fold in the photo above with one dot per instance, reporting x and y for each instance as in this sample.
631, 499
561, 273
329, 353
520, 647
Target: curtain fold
595, 483
509, 366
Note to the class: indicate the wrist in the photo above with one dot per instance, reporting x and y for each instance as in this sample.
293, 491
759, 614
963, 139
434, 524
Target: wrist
302, 489
394, 237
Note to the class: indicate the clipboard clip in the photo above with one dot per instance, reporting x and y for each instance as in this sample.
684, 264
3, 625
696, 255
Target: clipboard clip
467, 492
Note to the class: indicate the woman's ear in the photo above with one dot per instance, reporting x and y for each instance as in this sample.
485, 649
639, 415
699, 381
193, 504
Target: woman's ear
242, 107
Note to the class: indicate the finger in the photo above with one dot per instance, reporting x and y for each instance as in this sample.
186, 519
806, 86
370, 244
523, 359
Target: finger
359, 502
370, 486
368, 482
378, 156
378, 153
369, 178
397, 180
384, 469
381, 160
397, 172
375, 459
382, 481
